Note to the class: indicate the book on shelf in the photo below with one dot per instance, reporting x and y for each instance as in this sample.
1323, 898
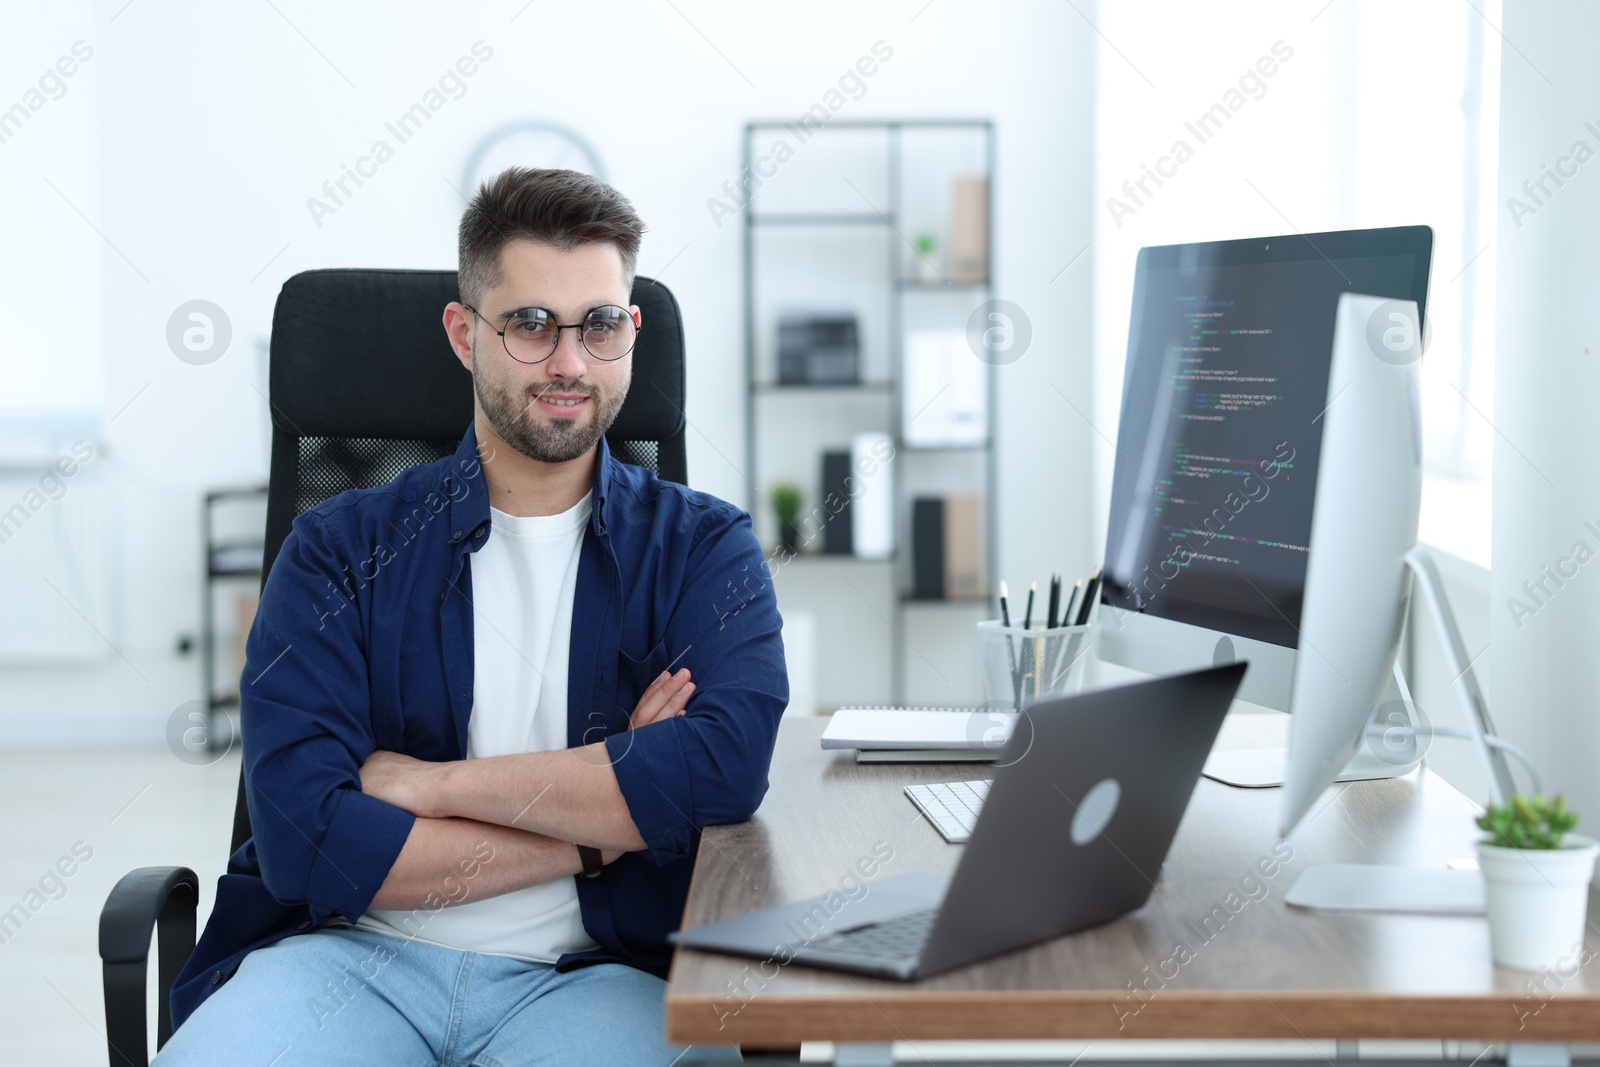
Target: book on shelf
969, 231
945, 396
947, 548
927, 548
964, 548
835, 515
872, 507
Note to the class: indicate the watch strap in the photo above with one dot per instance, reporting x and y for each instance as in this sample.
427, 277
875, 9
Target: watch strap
593, 862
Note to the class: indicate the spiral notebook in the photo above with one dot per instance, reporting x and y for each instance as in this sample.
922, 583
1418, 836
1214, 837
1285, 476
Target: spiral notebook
919, 733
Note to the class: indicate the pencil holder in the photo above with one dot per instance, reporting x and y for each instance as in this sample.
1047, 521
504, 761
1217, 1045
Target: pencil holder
1021, 666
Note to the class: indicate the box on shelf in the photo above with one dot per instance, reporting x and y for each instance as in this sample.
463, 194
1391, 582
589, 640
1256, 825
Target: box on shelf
872, 508
818, 349
945, 398
969, 231
964, 548
835, 512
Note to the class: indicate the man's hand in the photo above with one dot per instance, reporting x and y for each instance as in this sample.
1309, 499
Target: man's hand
667, 696
404, 781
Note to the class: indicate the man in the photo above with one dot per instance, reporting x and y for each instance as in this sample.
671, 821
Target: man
489, 706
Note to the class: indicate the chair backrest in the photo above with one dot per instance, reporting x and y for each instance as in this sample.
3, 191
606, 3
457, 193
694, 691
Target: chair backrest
364, 385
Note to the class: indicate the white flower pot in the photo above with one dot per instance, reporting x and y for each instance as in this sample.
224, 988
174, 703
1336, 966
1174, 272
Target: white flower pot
1538, 900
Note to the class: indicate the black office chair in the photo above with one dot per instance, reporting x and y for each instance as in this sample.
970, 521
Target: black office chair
364, 385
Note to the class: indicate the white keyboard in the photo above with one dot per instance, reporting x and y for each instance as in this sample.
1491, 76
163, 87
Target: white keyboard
952, 807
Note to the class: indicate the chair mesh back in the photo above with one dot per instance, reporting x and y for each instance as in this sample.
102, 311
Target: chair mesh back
327, 466
646, 454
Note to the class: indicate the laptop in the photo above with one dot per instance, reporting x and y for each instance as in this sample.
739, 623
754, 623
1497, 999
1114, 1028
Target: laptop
1086, 797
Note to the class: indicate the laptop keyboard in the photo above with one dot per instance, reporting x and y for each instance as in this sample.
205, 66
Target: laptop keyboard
893, 939
952, 807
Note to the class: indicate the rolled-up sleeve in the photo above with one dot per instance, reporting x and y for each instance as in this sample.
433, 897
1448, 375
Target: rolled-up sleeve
306, 720
708, 767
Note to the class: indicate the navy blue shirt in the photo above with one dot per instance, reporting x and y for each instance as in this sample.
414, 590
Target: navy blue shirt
363, 641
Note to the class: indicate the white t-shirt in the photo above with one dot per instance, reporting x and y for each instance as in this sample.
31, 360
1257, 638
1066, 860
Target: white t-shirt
523, 581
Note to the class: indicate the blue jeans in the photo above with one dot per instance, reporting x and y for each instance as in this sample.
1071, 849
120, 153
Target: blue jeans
342, 995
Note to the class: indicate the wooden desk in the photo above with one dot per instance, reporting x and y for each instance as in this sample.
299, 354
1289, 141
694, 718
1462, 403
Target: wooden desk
1268, 971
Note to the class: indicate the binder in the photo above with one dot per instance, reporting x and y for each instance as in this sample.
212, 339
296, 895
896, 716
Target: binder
836, 538
872, 510
928, 548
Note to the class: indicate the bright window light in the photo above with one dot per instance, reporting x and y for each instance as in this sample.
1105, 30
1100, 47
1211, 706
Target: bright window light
1372, 115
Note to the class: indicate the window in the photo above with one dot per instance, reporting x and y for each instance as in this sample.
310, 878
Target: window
1358, 114
52, 363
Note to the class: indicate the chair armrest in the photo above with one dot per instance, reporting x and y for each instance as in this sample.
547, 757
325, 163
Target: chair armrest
159, 899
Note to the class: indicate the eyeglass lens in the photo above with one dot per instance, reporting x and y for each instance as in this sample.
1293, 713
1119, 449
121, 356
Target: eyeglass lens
606, 332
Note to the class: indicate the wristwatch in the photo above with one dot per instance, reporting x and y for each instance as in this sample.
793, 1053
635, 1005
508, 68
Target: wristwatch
593, 862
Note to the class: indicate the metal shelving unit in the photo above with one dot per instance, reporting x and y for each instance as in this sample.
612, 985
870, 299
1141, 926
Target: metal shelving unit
759, 392
225, 561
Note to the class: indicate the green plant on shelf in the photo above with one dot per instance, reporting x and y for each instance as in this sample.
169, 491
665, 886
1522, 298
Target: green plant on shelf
1528, 822
786, 502
922, 266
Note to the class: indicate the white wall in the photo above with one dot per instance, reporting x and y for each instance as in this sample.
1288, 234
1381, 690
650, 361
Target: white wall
1547, 492
204, 129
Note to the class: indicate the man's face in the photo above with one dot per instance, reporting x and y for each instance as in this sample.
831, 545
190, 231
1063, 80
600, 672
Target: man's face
556, 410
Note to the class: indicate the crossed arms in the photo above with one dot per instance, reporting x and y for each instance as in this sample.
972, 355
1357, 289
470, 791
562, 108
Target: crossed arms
532, 809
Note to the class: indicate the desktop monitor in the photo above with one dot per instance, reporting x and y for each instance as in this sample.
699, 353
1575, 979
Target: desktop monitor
1363, 525
1220, 441
1362, 567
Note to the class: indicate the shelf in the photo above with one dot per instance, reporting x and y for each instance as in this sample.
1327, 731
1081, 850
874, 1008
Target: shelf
902, 446
972, 602
879, 124
771, 552
815, 387
821, 219
237, 493
912, 284
231, 559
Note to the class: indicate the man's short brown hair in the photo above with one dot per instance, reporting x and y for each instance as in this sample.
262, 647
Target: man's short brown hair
565, 208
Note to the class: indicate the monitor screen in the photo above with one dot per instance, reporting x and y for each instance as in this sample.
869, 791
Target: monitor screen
1226, 381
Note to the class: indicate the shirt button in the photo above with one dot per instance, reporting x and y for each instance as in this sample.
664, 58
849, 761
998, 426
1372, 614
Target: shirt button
216, 979
456, 536
305, 924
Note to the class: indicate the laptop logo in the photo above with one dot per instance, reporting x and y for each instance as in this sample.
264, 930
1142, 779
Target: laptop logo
1099, 804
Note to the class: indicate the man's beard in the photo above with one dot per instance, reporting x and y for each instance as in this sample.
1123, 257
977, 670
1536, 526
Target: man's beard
539, 437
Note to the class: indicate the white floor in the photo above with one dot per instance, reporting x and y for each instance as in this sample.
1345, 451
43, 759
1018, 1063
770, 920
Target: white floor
133, 808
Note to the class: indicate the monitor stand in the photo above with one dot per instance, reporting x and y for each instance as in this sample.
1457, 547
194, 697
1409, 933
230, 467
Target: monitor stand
1263, 768
1431, 890
1371, 887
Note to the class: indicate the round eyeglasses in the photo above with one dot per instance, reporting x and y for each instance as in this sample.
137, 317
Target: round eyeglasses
531, 334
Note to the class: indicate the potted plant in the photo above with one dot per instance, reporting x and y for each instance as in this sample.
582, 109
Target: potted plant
923, 269
1536, 880
786, 502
